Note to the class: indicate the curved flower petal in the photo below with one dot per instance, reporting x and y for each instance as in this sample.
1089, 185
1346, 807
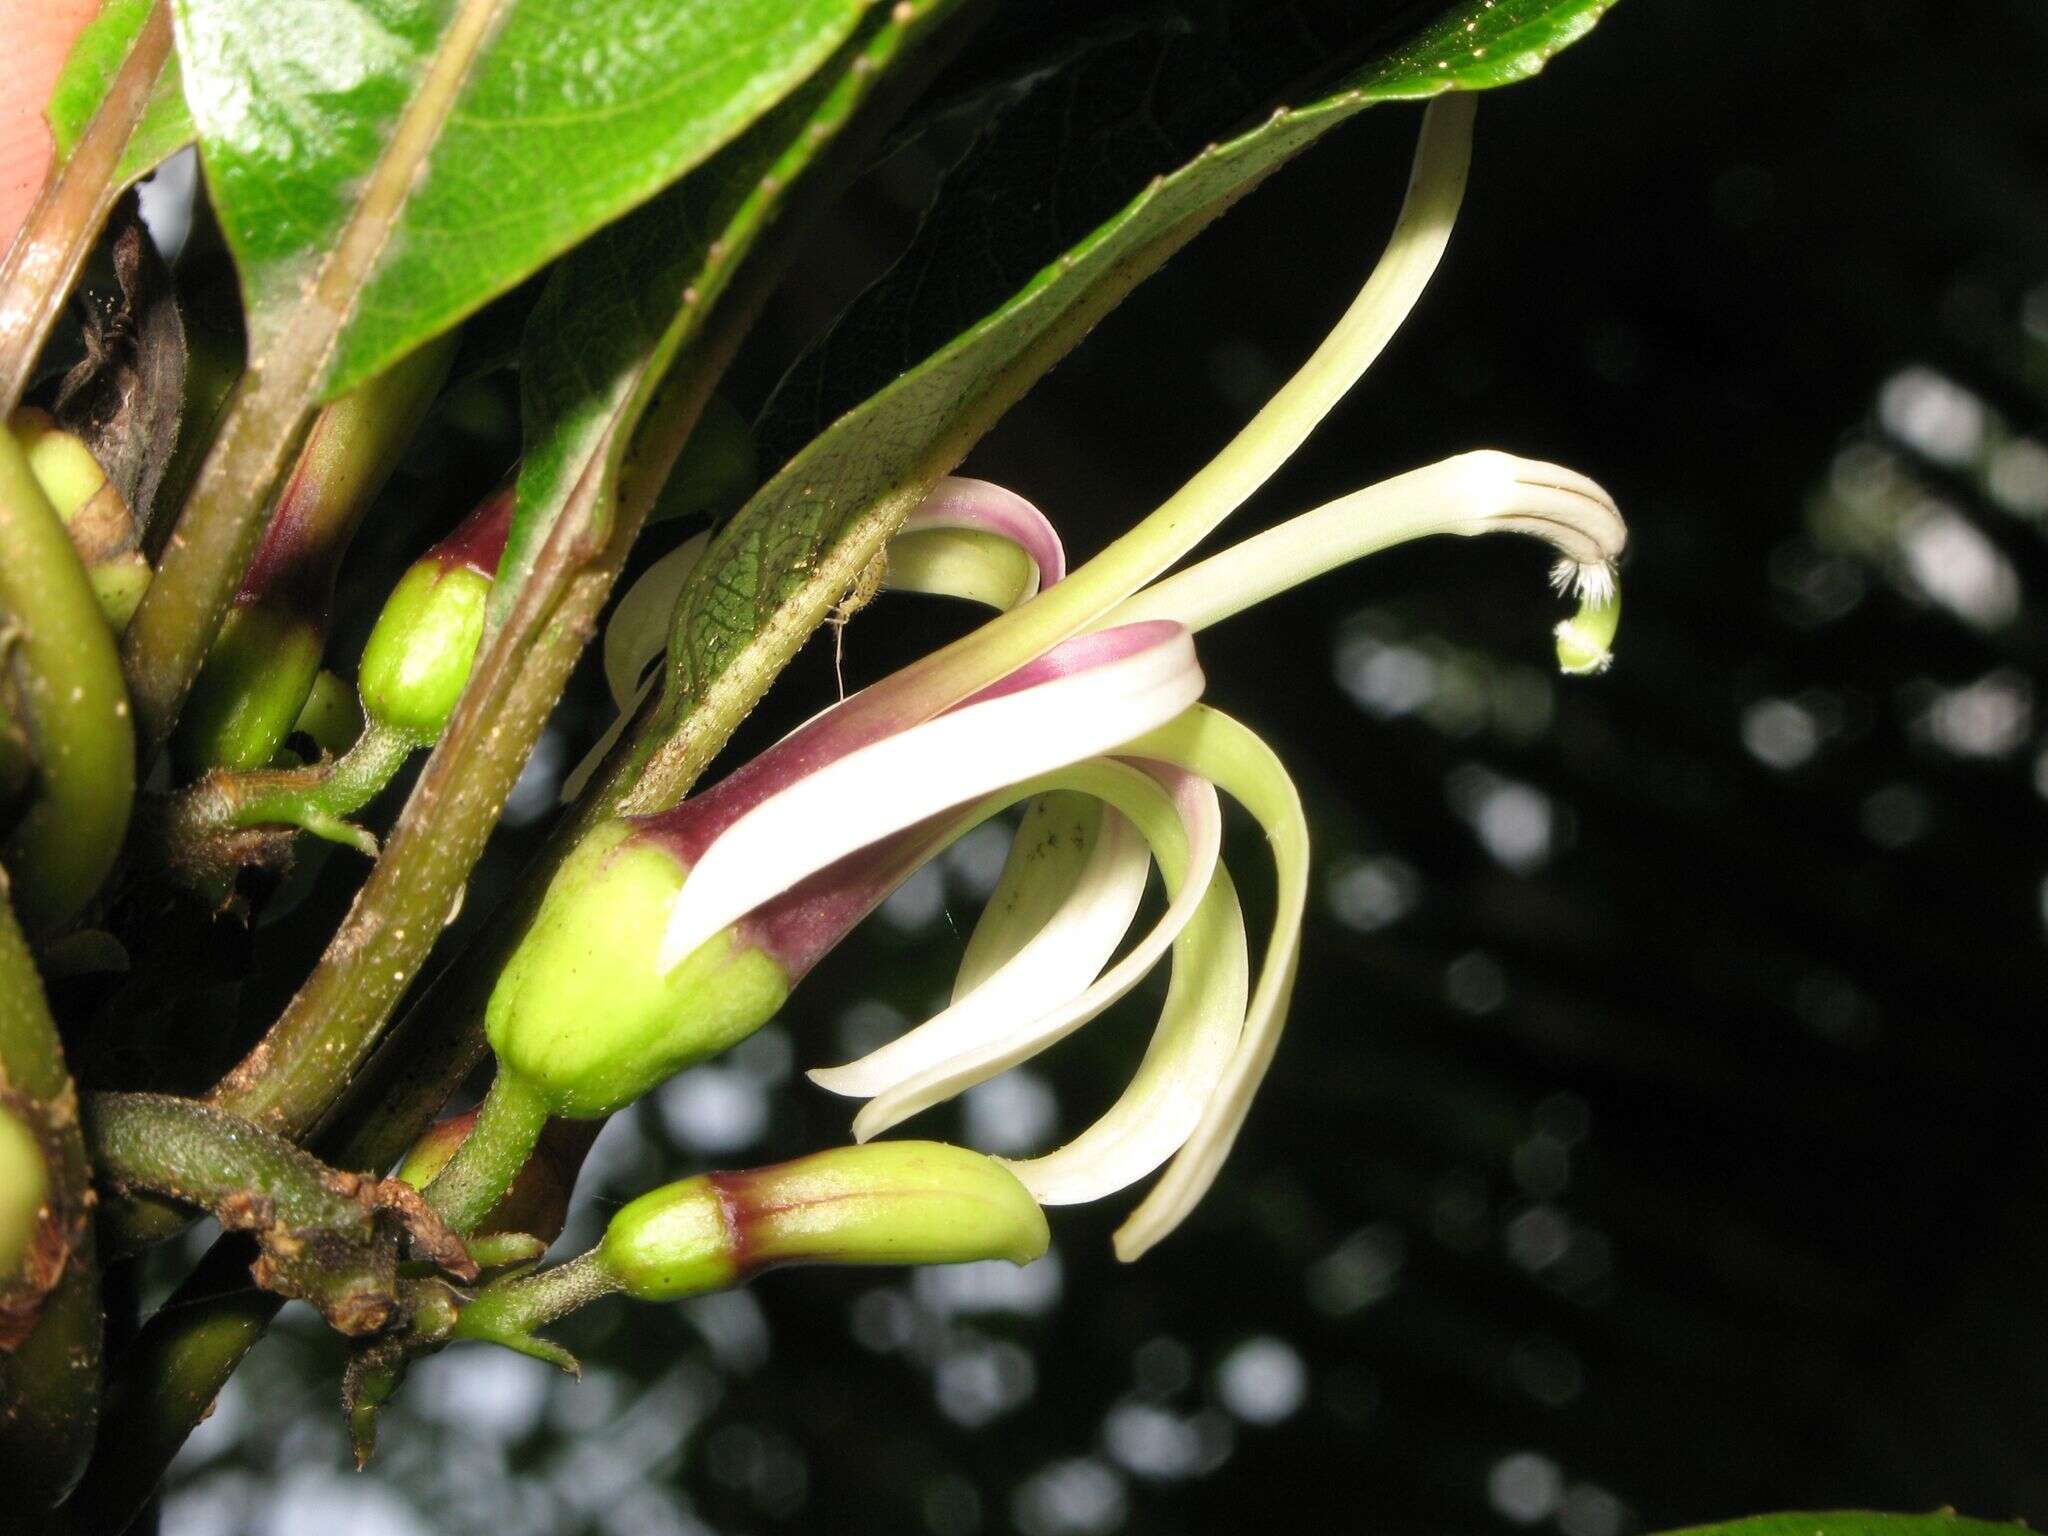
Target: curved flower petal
979, 541
1474, 493
1081, 699
1061, 953
1184, 827
1055, 839
1210, 743
980, 537
1191, 1049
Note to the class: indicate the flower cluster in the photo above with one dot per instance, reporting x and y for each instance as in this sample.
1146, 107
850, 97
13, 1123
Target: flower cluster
666, 938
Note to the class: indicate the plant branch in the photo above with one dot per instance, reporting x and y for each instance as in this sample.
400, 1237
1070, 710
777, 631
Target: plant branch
164, 1383
192, 835
50, 1319
37, 273
67, 685
326, 1236
221, 521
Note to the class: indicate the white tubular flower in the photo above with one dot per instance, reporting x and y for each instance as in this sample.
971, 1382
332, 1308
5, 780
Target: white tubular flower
1081, 700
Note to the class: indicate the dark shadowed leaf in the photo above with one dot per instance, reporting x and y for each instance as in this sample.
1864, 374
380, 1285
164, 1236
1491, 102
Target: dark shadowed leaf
1033, 238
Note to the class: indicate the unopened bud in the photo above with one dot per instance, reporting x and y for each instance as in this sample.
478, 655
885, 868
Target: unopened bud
94, 513
905, 1202
62, 464
420, 653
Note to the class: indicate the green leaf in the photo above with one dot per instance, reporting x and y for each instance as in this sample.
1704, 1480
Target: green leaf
619, 308
462, 143
1034, 237
1854, 1522
165, 126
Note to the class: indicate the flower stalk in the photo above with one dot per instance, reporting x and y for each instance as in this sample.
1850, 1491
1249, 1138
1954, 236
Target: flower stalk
415, 664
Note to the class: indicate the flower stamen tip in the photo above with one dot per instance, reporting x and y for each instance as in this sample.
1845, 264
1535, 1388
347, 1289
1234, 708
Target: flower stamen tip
1585, 641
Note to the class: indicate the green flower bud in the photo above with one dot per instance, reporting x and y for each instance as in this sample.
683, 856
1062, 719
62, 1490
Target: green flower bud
890, 1202
93, 511
119, 585
251, 690
582, 1016
420, 653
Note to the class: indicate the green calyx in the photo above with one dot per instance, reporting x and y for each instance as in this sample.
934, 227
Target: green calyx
581, 1014
249, 695
906, 1202
419, 655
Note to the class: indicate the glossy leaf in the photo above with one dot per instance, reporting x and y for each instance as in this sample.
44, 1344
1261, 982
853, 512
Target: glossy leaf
1853, 1522
530, 123
165, 127
1026, 272
618, 309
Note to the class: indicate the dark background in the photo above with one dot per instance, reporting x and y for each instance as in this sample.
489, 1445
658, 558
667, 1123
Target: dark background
1657, 1133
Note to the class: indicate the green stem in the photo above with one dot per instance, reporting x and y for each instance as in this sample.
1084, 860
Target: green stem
44, 260
319, 1225
68, 687
511, 1312
482, 1170
50, 1318
319, 799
